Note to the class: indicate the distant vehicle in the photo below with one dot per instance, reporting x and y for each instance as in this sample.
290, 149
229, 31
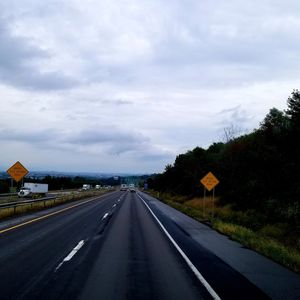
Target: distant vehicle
124, 187
97, 186
86, 187
131, 188
33, 189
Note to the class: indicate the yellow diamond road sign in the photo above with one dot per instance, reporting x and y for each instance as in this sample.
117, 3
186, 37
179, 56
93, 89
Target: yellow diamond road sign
209, 181
17, 171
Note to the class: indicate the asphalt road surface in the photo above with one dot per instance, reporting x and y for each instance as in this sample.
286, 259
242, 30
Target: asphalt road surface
117, 246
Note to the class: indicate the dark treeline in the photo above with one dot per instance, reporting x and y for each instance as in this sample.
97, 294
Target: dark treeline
71, 182
260, 170
58, 183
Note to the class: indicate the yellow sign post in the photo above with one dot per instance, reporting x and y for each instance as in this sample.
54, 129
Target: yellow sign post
209, 181
17, 171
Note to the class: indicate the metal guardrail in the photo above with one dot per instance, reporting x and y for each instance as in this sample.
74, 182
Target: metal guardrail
16, 204
20, 203
8, 194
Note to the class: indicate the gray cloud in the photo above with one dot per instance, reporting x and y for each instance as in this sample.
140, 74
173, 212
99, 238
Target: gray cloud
116, 102
235, 117
111, 141
224, 44
35, 137
230, 44
154, 154
101, 136
118, 140
17, 58
132, 85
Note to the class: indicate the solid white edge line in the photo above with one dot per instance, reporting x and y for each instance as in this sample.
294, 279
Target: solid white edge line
187, 260
71, 254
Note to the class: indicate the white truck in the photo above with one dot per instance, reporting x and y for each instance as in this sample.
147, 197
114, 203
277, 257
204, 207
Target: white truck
86, 187
123, 187
31, 189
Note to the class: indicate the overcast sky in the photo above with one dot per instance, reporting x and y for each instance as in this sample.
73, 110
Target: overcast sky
126, 85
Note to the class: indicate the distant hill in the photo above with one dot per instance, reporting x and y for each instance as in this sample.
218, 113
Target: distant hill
43, 174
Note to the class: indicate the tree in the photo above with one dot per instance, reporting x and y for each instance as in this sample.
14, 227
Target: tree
231, 132
275, 121
293, 110
259, 171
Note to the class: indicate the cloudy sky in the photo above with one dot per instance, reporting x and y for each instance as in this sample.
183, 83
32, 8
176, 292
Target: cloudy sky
126, 85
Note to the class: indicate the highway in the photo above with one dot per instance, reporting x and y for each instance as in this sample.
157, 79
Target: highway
121, 245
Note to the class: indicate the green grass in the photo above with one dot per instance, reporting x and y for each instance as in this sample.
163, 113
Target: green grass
269, 247
276, 241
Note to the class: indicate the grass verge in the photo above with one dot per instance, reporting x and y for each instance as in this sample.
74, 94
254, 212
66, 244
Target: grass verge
36, 206
276, 241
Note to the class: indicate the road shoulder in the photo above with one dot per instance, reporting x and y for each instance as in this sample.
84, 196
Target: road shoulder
275, 280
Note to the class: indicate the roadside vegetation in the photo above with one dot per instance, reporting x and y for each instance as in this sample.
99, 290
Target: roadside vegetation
57, 183
258, 198
43, 204
278, 241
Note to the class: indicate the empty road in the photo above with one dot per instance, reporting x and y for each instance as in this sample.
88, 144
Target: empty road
117, 246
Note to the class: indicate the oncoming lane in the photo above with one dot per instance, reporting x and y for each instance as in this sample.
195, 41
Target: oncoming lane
30, 254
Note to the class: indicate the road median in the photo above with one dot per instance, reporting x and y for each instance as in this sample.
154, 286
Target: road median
10, 209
